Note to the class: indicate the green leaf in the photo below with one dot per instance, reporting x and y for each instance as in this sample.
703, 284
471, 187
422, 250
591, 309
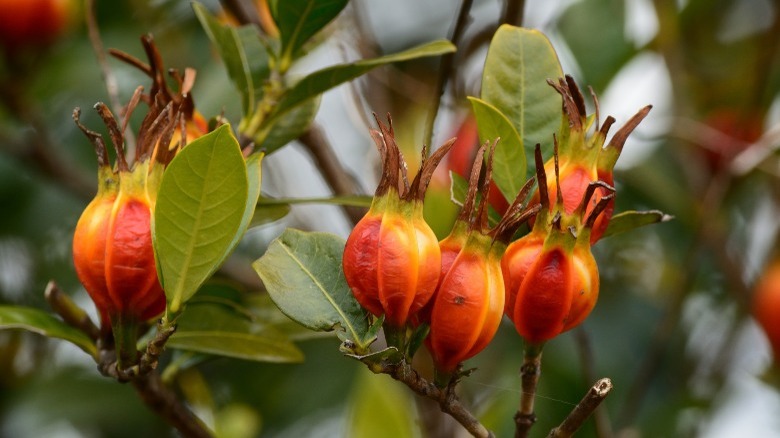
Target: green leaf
199, 211
322, 80
299, 20
518, 64
216, 329
244, 55
303, 275
291, 126
38, 321
629, 220
509, 166
254, 173
267, 213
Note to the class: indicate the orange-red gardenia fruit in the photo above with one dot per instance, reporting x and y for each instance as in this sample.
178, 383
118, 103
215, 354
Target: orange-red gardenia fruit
33, 22
766, 305
468, 305
391, 259
583, 158
550, 275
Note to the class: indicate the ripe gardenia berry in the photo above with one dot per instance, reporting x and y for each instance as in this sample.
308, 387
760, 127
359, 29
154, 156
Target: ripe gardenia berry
392, 259
766, 305
583, 158
550, 274
112, 243
468, 305
26, 23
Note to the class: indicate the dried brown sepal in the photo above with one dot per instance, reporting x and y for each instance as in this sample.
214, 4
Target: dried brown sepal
607, 124
388, 150
428, 166
588, 195
94, 138
471, 195
620, 137
570, 106
115, 133
576, 94
131, 106
541, 178
598, 209
480, 220
558, 191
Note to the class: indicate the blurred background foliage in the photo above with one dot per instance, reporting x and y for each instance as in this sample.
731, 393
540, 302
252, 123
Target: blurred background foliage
672, 328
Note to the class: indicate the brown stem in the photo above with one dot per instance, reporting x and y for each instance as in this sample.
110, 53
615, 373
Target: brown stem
446, 397
514, 12
582, 411
165, 403
529, 375
329, 165
603, 426
72, 314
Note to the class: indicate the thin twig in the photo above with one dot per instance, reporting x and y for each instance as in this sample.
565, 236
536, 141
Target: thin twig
514, 12
529, 375
447, 399
603, 426
446, 68
333, 172
582, 411
72, 314
164, 402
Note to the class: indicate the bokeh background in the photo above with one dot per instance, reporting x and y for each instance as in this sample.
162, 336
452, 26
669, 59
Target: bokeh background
672, 328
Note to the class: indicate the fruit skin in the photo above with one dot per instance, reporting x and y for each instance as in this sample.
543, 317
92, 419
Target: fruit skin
766, 305
113, 253
392, 259
550, 275
583, 157
468, 305
551, 287
112, 244
33, 22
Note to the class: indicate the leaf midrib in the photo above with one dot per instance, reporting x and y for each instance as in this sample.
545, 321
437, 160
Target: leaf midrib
343, 316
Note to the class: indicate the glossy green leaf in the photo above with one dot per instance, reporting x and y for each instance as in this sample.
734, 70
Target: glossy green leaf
509, 161
629, 220
217, 329
303, 275
200, 209
518, 64
290, 126
243, 54
322, 80
254, 173
38, 321
299, 20
268, 213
